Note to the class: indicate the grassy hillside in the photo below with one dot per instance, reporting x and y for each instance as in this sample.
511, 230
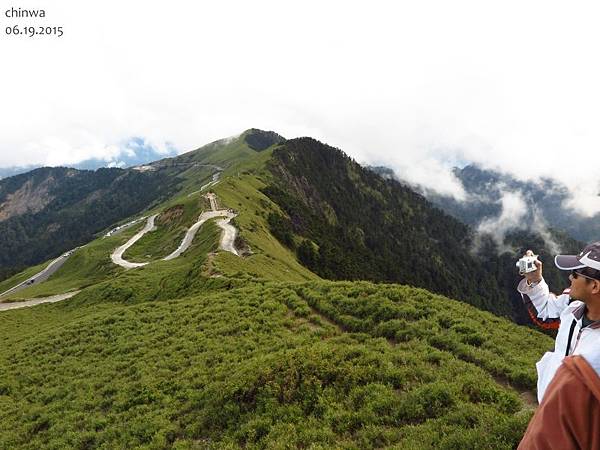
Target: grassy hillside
22, 276
244, 170
262, 365
268, 259
86, 266
211, 350
91, 266
226, 152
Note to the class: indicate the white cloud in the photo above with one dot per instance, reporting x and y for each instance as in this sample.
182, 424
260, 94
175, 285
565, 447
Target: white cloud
540, 226
516, 214
585, 199
511, 86
511, 217
430, 173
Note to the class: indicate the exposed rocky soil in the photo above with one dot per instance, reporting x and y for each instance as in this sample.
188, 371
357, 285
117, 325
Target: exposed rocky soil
27, 199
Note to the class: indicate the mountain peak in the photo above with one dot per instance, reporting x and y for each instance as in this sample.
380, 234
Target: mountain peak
260, 140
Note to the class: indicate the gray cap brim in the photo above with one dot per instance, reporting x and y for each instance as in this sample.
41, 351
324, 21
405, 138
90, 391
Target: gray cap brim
567, 262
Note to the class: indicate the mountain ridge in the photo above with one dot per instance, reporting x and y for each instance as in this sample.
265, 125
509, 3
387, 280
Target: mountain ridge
220, 350
334, 219
345, 223
38, 212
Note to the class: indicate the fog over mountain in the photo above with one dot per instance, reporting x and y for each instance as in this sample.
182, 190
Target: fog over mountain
496, 203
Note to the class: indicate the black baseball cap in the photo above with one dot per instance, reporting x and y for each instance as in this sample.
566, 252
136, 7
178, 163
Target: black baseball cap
589, 257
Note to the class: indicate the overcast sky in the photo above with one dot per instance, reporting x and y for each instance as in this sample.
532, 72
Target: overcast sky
420, 86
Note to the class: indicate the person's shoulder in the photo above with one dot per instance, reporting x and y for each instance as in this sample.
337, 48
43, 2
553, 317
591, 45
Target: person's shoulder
585, 368
574, 305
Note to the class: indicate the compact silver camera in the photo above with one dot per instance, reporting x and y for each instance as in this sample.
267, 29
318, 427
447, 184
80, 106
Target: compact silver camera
527, 264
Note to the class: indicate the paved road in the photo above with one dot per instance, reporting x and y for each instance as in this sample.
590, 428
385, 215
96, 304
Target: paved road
212, 198
42, 276
123, 227
117, 255
227, 239
189, 236
229, 233
215, 180
37, 301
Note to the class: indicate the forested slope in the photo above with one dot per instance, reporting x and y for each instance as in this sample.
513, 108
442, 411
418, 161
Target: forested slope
353, 224
346, 222
50, 210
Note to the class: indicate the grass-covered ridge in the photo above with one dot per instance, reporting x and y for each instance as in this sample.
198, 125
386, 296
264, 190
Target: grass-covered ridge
262, 365
269, 259
239, 188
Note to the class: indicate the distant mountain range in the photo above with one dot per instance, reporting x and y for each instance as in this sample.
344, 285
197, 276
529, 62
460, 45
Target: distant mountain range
137, 152
486, 190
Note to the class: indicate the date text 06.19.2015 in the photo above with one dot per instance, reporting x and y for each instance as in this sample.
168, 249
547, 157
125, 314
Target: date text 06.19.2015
31, 31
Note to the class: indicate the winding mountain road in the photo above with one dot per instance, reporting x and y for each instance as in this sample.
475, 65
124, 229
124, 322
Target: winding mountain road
117, 255
189, 236
226, 243
37, 301
229, 233
41, 276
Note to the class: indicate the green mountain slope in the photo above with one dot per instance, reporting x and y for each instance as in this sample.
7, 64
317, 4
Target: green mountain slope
239, 188
306, 210
214, 350
346, 222
50, 210
322, 364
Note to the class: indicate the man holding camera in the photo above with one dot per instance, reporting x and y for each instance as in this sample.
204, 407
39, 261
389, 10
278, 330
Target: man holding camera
568, 378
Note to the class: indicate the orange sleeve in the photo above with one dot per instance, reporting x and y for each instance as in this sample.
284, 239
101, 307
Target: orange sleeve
568, 418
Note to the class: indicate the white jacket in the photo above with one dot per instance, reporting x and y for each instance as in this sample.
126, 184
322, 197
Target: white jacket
547, 309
